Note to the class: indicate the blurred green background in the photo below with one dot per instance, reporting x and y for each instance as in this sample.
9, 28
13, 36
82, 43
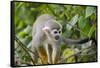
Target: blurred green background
78, 22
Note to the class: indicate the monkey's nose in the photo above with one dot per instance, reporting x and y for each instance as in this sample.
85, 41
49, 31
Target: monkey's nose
57, 37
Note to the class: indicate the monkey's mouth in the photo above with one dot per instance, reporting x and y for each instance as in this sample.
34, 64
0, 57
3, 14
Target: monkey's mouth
57, 37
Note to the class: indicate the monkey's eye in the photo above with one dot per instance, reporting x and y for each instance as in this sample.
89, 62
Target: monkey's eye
55, 32
59, 32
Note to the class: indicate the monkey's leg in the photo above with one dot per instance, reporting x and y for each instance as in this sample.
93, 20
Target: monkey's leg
48, 51
34, 55
34, 47
38, 41
55, 54
43, 55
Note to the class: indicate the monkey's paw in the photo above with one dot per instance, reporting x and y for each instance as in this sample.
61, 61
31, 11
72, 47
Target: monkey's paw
46, 29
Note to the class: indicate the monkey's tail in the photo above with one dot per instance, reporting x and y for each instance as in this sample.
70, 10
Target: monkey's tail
79, 41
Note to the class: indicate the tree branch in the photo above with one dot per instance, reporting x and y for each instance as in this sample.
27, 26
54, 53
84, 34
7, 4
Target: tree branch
24, 47
89, 47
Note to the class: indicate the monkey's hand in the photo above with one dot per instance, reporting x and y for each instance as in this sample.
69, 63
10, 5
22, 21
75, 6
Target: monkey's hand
46, 29
47, 32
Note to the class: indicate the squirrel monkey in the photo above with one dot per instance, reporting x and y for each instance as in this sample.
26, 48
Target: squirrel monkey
46, 39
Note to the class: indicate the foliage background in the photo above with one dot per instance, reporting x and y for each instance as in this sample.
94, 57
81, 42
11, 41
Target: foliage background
78, 22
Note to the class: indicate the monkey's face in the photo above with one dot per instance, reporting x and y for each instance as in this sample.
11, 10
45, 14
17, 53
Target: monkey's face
52, 33
56, 34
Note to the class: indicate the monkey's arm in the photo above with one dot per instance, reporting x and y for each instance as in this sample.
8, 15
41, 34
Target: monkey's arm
47, 32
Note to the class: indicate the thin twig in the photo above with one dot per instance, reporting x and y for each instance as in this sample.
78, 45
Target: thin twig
20, 44
88, 54
24, 46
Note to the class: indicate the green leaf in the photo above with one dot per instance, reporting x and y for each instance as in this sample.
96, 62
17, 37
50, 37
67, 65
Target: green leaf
28, 29
68, 52
90, 11
84, 31
92, 29
22, 34
72, 22
81, 22
26, 40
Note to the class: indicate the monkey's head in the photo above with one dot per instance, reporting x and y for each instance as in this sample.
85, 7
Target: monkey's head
53, 29
56, 34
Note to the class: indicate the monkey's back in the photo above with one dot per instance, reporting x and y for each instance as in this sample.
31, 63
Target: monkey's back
40, 23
